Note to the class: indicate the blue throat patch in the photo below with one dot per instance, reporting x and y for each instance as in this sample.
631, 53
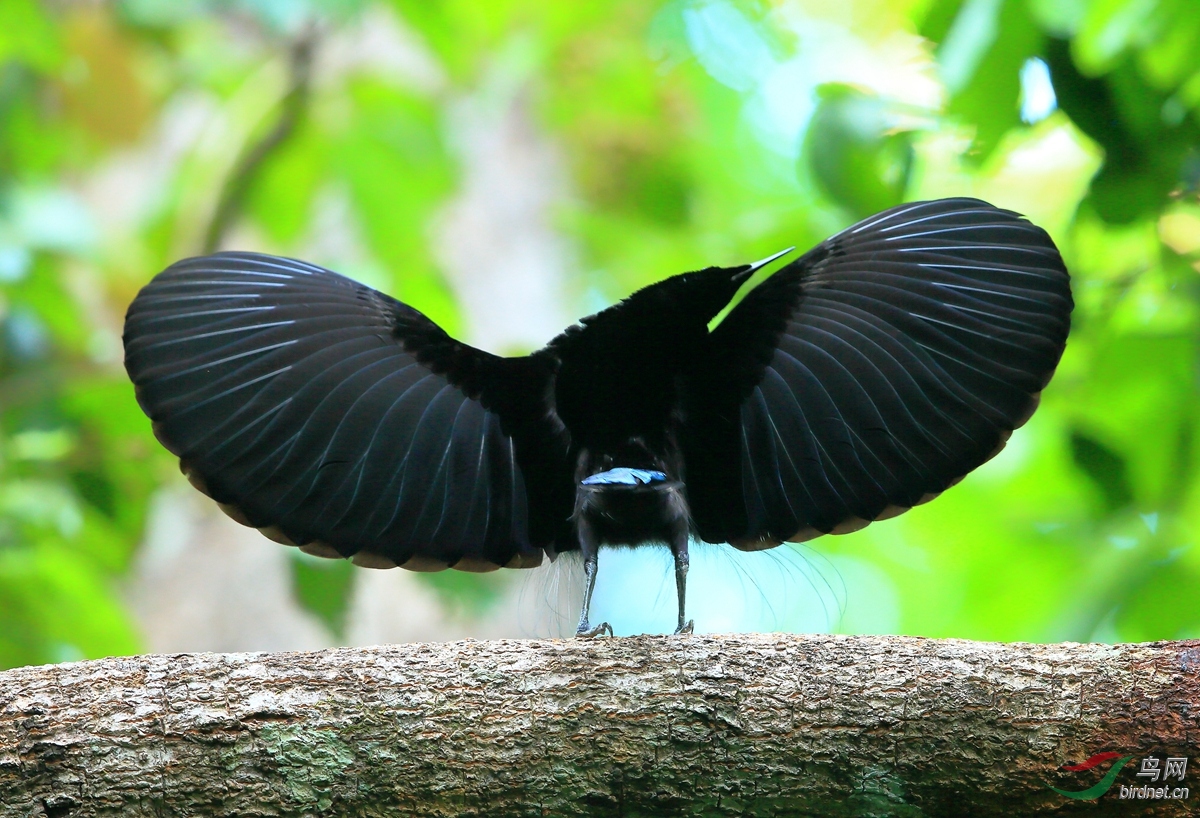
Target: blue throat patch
625, 477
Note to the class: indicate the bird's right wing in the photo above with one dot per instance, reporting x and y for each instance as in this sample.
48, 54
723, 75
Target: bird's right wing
873, 372
341, 420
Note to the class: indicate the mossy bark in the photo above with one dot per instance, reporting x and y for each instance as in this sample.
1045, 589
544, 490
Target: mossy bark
713, 725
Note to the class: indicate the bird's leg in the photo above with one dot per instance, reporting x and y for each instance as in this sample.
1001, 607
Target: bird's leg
679, 548
589, 548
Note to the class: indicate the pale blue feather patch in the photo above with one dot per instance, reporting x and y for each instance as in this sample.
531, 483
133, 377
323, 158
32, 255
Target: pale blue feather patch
625, 477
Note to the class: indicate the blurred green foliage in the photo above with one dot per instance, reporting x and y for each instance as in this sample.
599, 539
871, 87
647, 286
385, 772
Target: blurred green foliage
694, 132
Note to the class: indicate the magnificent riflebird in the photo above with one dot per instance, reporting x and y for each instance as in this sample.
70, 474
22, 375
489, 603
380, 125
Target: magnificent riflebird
853, 383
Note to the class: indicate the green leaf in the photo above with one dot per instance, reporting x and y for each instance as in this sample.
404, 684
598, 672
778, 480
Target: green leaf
983, 73
466, 594
56, 607
856, 152
1059, 18
1109, 28
282, 197
323, 587
392, 157
28, 36
1105, 467
1164, 605
1145, 155
1173, 53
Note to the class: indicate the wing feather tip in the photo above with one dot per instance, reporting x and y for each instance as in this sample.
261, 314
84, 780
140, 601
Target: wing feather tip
316, 548
424, 564
850, 525
194, 477
755, 545
528, 559
805, 534
236, 514
1034, 401
894, 510
475, 566
369, 559
157, 428
275, 534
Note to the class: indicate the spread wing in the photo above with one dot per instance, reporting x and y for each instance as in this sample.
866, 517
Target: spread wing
336, 418
873, 372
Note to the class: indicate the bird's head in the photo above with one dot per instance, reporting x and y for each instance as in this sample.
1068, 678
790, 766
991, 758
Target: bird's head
719, 288
704, 292
742, 274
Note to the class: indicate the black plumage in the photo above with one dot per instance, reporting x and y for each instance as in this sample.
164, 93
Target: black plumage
855, 382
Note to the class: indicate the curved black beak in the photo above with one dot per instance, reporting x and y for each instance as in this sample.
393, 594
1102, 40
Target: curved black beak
758, 265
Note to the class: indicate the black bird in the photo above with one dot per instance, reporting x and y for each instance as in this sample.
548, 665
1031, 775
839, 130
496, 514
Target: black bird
859, 380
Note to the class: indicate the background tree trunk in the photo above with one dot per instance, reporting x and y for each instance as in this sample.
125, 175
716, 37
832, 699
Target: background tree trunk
757, 724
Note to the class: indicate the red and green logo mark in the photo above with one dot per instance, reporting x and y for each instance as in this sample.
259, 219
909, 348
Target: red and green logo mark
1157, 768
1100, 787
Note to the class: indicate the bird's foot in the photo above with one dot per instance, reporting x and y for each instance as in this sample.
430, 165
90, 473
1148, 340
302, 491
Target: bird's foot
589, 633
686, 627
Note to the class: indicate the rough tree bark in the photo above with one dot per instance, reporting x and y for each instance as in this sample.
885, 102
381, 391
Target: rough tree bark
761, 725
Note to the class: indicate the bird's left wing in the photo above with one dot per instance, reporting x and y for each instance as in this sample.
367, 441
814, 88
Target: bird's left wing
336, 418
873, 372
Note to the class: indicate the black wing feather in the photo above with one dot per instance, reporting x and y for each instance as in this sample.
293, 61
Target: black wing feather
337, 418
873, 372
856, 382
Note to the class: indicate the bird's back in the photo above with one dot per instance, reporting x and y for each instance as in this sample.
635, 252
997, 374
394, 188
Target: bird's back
622, 371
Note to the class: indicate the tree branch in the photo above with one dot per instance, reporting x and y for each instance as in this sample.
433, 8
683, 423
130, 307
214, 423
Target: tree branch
758, 724
292, 108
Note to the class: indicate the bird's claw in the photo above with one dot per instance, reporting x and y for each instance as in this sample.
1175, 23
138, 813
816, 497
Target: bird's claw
589, 633
685, 628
